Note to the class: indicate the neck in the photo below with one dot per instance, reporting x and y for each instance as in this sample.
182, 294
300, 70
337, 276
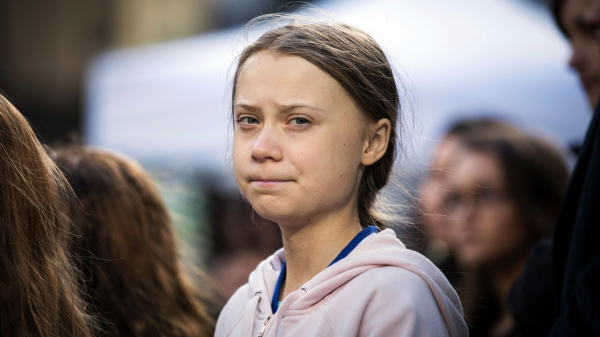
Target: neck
505, 277
503, 280
311, 248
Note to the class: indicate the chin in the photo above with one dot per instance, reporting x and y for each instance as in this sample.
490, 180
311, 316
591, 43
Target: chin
278, 213
468, 259
269, 208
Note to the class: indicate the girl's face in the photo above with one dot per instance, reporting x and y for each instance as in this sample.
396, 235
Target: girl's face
488, 229
299, 140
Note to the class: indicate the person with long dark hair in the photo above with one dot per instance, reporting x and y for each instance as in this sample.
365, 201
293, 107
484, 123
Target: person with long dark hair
39, 295
434, 220
504, 195
134, 279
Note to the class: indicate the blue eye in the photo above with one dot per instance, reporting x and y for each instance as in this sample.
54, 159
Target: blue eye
299, 121
247, 120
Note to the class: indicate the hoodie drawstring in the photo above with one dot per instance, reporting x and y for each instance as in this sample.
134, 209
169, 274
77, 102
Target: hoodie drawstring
264, 326
249, 313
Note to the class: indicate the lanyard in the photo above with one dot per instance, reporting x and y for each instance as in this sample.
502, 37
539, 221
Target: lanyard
355, 241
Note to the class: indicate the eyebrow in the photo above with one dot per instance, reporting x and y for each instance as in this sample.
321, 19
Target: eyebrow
282, 108
247, 107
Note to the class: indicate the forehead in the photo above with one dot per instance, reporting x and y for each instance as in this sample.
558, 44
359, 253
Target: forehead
478, 169
446, 152
287, 76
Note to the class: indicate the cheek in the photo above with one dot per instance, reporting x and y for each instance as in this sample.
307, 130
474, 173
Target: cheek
434, 214
329, 168
431, 196
503, 223
240, 156
502, 232
329, 159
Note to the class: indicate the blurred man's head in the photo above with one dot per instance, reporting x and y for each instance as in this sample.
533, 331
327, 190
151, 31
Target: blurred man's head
579, 20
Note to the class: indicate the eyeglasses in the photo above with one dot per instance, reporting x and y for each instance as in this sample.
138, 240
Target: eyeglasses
481, 199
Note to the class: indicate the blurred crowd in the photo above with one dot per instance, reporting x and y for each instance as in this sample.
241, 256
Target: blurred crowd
488, 205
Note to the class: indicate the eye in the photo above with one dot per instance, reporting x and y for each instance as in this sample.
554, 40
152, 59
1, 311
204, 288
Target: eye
299, 121
451, 201
594, 30
484, 196
590, 29
247, 120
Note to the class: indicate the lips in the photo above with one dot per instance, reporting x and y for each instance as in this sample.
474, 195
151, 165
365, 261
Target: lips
268, 183
467, 238
268, 180
274, 180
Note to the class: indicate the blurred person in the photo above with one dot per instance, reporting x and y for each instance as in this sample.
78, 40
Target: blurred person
432, 190
574, 256
38, 285
134, 277
434, 185
579, 20
240, 240
505, 194
315, 107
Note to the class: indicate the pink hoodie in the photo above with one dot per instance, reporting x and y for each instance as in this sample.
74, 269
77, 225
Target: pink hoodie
380, 289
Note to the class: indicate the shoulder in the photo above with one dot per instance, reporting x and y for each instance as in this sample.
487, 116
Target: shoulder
393, 282
233, 311
390, 301
394, 290
400, 300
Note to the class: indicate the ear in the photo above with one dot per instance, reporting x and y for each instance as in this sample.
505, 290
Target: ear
378, 137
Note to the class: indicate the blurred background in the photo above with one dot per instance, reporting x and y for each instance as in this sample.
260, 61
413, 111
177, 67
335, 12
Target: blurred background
151, 79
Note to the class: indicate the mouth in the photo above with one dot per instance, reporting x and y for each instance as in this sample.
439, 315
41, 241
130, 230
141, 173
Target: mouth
468, 239
268, 183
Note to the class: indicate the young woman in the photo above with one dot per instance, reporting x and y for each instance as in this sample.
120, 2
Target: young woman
134, 277
505, 193
38, 286
316, 107
434, 218
444, 161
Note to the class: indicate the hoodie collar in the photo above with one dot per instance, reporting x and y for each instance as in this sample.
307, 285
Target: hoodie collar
382, 249
349, 248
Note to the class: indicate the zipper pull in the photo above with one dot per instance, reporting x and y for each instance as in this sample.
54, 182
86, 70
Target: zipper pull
264, 326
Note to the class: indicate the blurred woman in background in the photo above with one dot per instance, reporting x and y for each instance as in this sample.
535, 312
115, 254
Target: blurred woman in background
503, 196
134, 277
38, 286
434, 217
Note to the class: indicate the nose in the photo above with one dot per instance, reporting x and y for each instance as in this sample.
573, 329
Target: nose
464, 212
267, 146
577, 60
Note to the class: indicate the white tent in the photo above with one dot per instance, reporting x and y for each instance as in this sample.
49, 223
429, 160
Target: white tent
168, 103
